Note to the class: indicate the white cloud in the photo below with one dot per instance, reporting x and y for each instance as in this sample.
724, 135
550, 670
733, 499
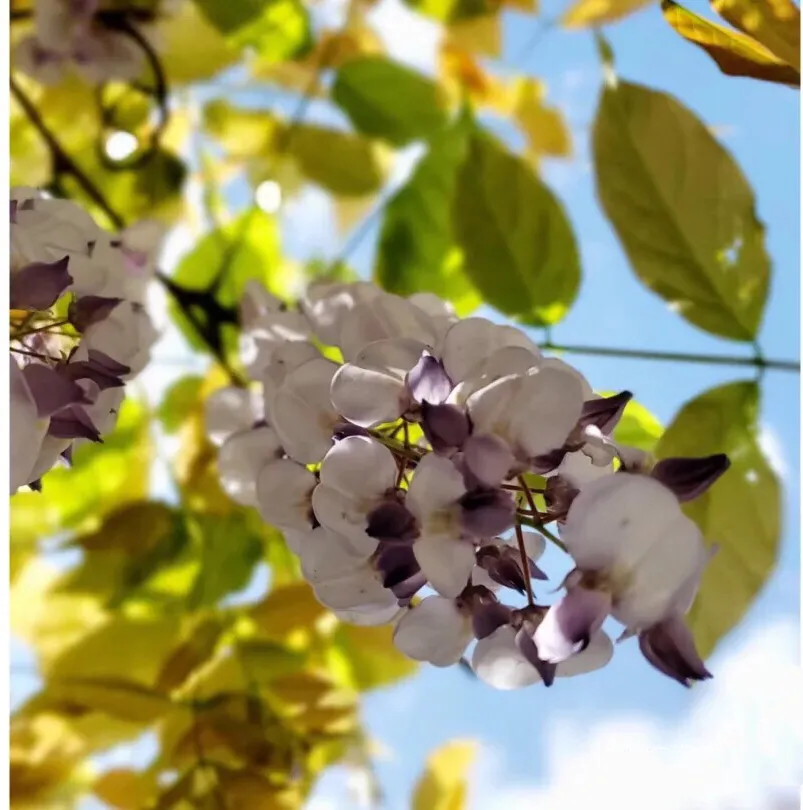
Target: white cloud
409, 37
772, 446
739, 748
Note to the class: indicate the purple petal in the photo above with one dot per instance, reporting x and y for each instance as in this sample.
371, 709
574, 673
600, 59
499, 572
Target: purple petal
427, 380
35, 486
405, 590
51, 390
13, 212
101, 369
690, 477
487, 512
90, 309
73, 422
503, 566
558, 495
570, 623
488, 614
547, 462
605, 412
67, 456
445, 426
39, 285
528, 649
400, 570
391, 521
669, 647
488, 459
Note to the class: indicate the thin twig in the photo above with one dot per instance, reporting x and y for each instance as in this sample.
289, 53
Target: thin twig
525, 564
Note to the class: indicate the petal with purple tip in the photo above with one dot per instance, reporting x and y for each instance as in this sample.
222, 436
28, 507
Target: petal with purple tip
689, 478
604, 412
488, 614
445, 426
51, 390
488, 458
570, 623
427, 380
486, 513
669, 647
391, 521
73, 422
435, 631
528, 648
498, 661
39, 285
89, 309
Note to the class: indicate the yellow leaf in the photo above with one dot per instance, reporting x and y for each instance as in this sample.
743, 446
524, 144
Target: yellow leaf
481, 35
116, 697
546, 131
135, 528
197, 648
736, 54
121, 647
246, 790
444, 783
349, 211
461, 73
373, 660
592, 13
287, 609
191, 48
774, 23
124, 789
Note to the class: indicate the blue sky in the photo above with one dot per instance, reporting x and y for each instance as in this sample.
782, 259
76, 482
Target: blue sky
626, 708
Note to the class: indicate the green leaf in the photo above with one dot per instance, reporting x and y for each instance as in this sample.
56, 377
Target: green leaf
262, 661
344, 164
741, 512
229, 552
242, 132
682, 209
736, 54
387, 100
638, 427
244, 249
518, 246
417, 249
277, 29
178, 402
103, 477
373, 660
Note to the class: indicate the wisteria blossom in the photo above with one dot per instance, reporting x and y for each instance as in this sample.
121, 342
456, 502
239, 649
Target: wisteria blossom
69, 36
78, 330
420, 480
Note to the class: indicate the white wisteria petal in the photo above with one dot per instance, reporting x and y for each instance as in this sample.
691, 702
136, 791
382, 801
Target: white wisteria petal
497, 661
579, 470
284, 494
241, 459
437, 484
259, 342
359, 466
327, 555
445, 561
228, 411
469, 342
284, 359
509, 361
598, 653
360, 588
126, 335
325, 304
440, 312
479, 576
435, 631
561, 365
256, 302
27, 430
385, 316
344, 514
371, 616
301, 411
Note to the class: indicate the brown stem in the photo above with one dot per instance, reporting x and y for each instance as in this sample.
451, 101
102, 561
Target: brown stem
525, 564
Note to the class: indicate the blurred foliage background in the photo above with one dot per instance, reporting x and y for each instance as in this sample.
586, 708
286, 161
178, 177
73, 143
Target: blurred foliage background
145, 629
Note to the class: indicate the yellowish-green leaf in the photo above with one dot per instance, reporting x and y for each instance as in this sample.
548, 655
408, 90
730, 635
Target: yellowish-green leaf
178, 401
481, 35
638, 427
124, 789
444, 783
417, 248
246, 790
288, 609
264, 661
121, 647
385, 99
344, 164
197, 648
736, 54
115, 697
741, 512
242, 132
372, 658
682, 209
544, 126
276, 29
102, 478
774, 23
518, 245
594, 13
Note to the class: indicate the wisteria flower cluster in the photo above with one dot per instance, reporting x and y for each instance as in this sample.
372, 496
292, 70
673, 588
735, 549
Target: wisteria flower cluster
69, 36
78, 327
417, 479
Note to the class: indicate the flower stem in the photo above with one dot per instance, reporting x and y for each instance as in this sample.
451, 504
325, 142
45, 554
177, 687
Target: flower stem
757, 361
